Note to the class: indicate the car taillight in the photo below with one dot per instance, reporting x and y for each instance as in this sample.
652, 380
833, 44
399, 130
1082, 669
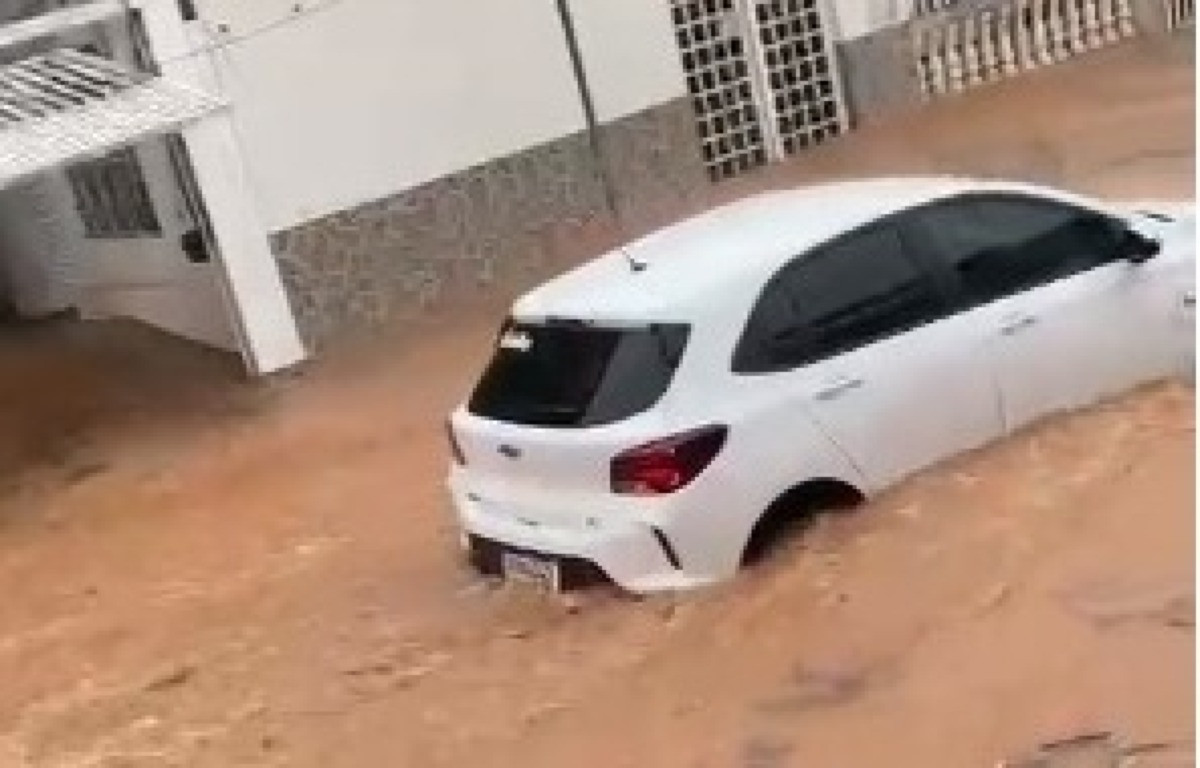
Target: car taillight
455, 449
666, 465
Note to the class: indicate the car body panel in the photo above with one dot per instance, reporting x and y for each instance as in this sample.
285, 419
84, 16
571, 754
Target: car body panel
1075, 341
865, 418
896, 393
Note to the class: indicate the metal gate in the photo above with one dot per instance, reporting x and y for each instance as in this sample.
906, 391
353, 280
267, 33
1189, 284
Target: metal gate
762, 76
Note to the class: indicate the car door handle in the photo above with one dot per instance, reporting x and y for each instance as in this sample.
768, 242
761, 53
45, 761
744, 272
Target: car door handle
839, 387
1188, 299
1017, 323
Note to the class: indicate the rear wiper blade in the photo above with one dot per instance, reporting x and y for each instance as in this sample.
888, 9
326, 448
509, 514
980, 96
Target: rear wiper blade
567, 322
557, 410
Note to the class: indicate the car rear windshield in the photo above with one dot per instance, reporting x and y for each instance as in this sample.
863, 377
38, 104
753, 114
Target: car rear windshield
575, 374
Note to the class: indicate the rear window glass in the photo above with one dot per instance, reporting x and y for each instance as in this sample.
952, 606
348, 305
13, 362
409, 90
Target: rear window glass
568, 374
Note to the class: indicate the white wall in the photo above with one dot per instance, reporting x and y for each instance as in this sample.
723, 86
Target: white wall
630, 53
855, 18
352, 101
346, 101
38, 246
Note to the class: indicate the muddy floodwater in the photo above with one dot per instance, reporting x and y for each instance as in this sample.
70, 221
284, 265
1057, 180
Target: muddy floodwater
199, 571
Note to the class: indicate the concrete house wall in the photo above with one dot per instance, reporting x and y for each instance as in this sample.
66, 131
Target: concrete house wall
399, 146
231, 295
402, 149
396, 151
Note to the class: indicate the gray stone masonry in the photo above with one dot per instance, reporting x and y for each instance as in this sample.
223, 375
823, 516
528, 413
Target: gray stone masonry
357, 269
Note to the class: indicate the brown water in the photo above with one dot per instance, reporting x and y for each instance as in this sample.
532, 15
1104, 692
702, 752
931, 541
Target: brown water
202, 572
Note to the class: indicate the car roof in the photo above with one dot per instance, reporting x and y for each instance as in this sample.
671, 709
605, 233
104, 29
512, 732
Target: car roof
735, 247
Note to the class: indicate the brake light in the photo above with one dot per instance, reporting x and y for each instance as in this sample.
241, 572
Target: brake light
456, 453
667, 465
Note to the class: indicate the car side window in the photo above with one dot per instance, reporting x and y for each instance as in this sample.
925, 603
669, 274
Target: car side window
1002, 245
854, 291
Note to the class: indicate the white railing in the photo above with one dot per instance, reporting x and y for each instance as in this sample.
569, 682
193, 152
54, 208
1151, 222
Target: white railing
926, 7
1180, 13
958, 51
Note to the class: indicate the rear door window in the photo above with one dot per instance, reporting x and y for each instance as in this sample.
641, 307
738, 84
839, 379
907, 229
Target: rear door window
852, 292
574, 374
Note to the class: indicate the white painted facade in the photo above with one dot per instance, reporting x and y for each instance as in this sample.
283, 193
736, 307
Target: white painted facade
354, 101
235, 298
628, 47
333, 104
253, 291
856, 18
348, 101
39, 246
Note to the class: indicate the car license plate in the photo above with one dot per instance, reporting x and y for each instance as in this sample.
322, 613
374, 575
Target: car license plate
542, 571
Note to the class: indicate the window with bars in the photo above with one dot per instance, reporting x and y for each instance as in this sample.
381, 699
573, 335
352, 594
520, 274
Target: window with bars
798, 61
112, 198
762, 78
715, 61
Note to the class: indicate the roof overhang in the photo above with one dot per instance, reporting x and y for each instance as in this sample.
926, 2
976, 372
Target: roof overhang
64, 106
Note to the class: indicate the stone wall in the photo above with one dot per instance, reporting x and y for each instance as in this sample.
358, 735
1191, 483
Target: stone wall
879, 74
453, 237
358, 268
654, 158
1150, 16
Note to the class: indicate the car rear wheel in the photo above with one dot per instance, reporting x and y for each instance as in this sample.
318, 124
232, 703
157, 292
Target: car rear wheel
794, 511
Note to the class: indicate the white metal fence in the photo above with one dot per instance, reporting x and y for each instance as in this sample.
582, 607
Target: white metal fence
1180, 13
962, 50
763, 77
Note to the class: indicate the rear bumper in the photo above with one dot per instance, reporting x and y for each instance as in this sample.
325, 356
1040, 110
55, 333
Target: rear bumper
629, 553
575, 573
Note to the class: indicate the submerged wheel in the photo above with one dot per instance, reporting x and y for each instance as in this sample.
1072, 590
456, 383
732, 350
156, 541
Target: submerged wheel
794, 511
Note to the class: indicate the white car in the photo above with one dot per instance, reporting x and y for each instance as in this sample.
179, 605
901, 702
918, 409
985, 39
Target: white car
652, 416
